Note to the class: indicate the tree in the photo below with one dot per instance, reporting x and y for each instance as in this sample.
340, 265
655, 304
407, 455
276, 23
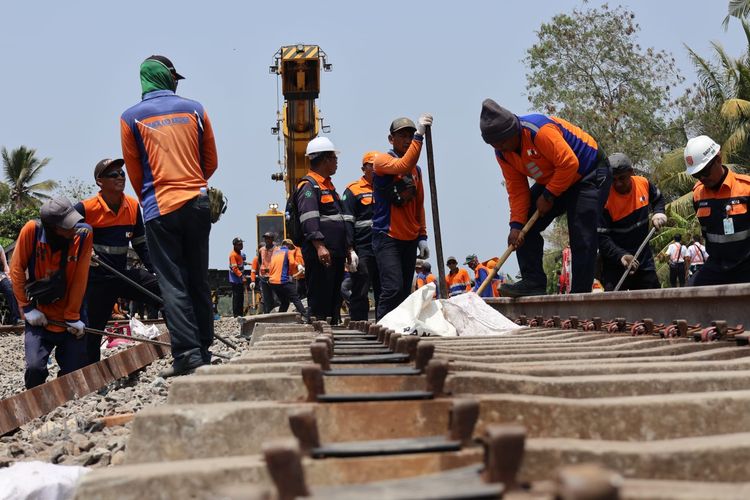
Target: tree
21, 168
75, 189
737, 8
11, 221
588, 67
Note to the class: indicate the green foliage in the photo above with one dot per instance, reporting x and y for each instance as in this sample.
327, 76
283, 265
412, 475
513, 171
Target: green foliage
4, 194
738, 9
21, 169
588, 67
75, 189
11, 221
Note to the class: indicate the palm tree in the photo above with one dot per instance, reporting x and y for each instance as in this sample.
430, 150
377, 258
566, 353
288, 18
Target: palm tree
737, 8
21, 168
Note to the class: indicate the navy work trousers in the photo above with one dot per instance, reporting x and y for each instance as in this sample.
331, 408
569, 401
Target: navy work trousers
711, 273
395, 260
238, 299
323, 284
583, 202
70, 353
367, 274
7, 289
178, 244
287, 293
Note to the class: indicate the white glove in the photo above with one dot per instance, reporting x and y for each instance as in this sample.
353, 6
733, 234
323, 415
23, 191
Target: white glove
659, 220
300, 268
423, 251
353, 262
424, 120
625, 261
35, 317
76, 328
252, 285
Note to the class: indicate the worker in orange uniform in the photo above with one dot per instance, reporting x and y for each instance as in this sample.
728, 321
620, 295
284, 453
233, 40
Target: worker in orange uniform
425, 276
117, 224
624, 226
237, 277
720, 199
265, 252
481, 272
295, 254
457, 280
398, 224
571, 175
170, 153
358, 202
283, 267
49, 270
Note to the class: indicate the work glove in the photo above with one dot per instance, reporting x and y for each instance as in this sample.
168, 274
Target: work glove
424, 120
35, 317
625, 261
252, 285
659, 220
300, 268
423, 251
353, 262
76, 328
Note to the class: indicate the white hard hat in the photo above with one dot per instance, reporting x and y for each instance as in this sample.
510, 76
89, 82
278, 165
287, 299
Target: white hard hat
699, 152
319, 145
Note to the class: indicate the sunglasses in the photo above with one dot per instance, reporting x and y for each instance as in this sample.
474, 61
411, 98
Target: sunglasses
114, 175
705, 171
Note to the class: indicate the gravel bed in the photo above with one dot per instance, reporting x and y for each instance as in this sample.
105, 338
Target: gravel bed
70, 435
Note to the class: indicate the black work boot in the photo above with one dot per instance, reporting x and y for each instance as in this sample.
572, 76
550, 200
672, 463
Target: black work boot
181, 369
523, 288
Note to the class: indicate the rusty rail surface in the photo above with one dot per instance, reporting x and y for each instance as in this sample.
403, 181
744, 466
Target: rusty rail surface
25, 406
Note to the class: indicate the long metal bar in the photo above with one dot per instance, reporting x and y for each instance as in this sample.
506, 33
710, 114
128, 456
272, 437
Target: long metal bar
442, 285
635, 257
102, 333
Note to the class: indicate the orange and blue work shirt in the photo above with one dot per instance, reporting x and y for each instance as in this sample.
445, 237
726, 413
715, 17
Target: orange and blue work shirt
406, 222
480, 274
283, 267
624, 223
169, 151
236, 267
46, 263
357, 202
114, 232
725, 220
553, 152
321, 214
423, 279
458, 282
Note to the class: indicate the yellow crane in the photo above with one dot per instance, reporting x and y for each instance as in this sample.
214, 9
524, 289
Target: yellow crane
298, 121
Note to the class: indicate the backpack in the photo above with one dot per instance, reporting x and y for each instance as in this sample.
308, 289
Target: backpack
291, 213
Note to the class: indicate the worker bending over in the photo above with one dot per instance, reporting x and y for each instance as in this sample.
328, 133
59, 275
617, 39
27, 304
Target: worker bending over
571, 175
325, 246
49, 270
170, 153
624, 226
117, 224
720, 198
283, 268
457, 280
237, 277
398, 223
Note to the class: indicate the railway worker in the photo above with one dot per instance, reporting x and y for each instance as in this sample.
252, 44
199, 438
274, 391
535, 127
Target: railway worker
117, 224
48, 290
7, 288
720, 198
358, 203
237, 277
325, 248
283, 268
677, 253
457, 280
697, 255
265, 252
624, 226
425, 276
481, 272
398, 223
571, 175
170, 153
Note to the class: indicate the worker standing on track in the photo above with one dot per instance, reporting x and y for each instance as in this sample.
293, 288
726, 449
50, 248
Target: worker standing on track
571, 175
720, 198
624, 226
697, 255
283, 267
677, 253
49, 270
237, 277
480, 274
326, 247
358, 203
117, 224
265, 252
170, 153
398, 225
457, 280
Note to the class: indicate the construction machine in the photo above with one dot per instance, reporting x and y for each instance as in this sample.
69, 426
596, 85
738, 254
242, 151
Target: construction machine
298, 67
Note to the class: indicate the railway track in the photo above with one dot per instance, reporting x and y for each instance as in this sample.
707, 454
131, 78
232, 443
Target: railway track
648, 403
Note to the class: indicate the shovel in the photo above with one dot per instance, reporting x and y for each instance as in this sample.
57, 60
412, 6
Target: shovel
635, 258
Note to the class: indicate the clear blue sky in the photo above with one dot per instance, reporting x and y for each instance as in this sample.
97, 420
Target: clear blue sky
71, 68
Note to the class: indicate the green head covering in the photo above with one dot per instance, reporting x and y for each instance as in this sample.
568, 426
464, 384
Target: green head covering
156, 76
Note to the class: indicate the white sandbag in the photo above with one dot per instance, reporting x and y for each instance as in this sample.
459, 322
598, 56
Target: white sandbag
419, 314
470, 315
39, 481
138, 328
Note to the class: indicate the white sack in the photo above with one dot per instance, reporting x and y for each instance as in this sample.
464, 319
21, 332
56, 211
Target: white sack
138, 328
472, 316
39, 481
419, 314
